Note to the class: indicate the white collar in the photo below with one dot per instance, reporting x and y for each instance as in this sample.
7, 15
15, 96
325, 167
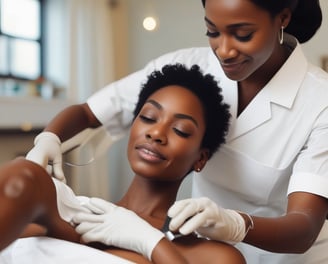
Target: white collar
284, 85
281, 89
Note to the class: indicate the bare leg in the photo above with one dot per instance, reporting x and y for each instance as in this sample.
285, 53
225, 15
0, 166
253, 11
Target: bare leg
28, 195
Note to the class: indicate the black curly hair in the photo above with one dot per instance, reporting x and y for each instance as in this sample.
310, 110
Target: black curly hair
204, 87
306, 15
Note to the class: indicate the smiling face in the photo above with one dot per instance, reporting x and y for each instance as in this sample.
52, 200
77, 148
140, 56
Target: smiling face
243, 36
165, 138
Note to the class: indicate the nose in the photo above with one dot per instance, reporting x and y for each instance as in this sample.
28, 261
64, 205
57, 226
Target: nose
157, 134
224, 48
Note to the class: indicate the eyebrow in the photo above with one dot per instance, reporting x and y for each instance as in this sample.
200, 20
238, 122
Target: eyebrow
237, 25
208, 21
178, 115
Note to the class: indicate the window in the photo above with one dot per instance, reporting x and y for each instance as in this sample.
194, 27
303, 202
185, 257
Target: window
21, 39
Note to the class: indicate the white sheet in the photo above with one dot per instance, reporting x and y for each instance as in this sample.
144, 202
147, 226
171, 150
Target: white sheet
45, 250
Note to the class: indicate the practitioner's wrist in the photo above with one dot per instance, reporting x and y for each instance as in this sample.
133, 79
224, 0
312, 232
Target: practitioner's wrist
249, 223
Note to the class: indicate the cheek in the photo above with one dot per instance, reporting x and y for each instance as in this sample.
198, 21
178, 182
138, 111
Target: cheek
257, 53
135, 134
185, 156
212, 43
263, 47
258, 49
136, 131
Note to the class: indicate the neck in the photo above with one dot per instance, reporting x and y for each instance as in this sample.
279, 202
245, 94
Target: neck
250, 87
150, 199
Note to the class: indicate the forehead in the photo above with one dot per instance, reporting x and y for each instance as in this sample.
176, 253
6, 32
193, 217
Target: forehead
235, 11
178, 99
174, 92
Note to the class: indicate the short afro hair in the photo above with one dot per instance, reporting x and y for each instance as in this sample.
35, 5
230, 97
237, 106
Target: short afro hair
204, 87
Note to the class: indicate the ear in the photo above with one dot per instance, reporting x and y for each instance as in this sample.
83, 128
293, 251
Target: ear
201, 162
284, 17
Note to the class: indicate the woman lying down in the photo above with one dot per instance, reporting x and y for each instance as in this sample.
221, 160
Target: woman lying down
180, 121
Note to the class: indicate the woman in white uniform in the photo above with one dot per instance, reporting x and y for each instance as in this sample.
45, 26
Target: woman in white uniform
274, 165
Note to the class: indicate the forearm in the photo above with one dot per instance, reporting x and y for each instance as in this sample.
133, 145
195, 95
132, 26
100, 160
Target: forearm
293, 233
71, 121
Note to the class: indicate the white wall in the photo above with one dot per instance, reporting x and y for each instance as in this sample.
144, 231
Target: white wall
318, 45
181, 25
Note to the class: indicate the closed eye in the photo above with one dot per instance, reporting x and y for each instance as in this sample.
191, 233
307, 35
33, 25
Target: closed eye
238, 37
244, 38
147, 119
212, 34
181, 133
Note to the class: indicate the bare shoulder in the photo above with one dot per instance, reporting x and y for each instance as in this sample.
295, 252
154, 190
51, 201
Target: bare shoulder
197, 250
128, 255
194, 250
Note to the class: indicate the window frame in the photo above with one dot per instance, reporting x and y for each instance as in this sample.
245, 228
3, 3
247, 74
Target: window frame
40, 40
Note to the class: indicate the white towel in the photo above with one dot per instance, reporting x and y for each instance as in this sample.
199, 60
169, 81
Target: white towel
67, 202
46, 250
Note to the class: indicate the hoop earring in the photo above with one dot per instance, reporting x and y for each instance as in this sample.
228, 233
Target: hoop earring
281, 37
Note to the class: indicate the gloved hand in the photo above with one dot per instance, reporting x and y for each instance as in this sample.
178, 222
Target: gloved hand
203, 216
47, 147
116, 226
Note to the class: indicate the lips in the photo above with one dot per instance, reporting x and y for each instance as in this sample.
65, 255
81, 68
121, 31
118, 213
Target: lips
150, 153
232, 67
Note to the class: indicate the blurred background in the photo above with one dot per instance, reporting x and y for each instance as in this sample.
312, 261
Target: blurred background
54, 53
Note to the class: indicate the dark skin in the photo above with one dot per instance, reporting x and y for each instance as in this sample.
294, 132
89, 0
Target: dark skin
296, 231
160, 154
237, 37
158, 176
242, 33
28, 196
78, 116
29, 207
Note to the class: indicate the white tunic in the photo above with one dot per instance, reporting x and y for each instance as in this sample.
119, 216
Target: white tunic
277, 145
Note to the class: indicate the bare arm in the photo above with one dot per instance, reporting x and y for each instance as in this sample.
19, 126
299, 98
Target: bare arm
189, 249
72, 120
163, 253
28, 195
294, 232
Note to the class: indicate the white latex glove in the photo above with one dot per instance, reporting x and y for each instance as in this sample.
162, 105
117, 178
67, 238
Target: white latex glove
116, 226
203, 216
47, 147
